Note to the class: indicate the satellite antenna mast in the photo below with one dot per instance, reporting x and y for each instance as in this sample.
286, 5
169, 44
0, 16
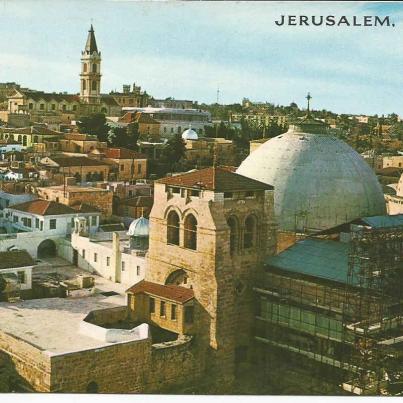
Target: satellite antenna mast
218, 94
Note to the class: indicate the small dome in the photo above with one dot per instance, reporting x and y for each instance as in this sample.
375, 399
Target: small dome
189, 134
139, 227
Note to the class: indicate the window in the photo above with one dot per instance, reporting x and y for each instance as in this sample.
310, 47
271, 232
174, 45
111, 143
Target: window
94, 68
176, 190
53, 107
95, 257
162, 308
84, 85
138, 270
195, 193
21, 277
173, 228
173, 312
93, 220
152, 305
233, 235
190, 232
83, 254
41, 107
15, 218
74, 108
85, 67
249, 194
41, 226
228, 195
250, 232
52, 223
123, 266
30, 105
189, 312
64, 108
108, 261
57, 200
94, 85
36, 222
139, 168
122, 167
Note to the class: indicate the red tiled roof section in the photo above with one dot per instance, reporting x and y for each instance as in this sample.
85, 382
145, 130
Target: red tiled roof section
43, 207
14, 259
220, 179
170, 292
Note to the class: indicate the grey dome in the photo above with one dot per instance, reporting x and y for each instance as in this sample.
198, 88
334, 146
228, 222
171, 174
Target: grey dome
139, 227
319, 181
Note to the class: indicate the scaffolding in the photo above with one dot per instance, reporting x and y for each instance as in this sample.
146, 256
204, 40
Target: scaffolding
347, 334
372, 314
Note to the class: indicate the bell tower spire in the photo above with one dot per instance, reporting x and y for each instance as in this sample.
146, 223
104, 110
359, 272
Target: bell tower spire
90, 76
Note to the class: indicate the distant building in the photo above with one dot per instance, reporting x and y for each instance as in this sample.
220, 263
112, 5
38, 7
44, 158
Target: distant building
131, 96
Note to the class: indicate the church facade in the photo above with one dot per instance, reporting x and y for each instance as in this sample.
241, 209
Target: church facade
62, 107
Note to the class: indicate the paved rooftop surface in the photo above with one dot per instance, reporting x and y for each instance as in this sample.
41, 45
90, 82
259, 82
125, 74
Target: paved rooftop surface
52, 324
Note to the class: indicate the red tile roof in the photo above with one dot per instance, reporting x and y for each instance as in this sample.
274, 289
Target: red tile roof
170, 292
220, 179
43, 207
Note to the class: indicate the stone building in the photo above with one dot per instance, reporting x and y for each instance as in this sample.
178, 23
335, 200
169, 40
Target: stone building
187, 327
72, 195
131, 96
63, 107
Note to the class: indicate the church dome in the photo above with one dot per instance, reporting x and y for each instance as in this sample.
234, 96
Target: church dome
319, 181
189, 134
139, 227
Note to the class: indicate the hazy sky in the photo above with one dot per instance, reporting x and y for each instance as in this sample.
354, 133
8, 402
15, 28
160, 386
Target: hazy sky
187, 50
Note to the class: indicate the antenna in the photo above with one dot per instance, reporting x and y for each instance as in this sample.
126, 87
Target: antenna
308, 97
218, 94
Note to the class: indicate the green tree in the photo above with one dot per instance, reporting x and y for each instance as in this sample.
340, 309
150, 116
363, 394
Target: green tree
94, 124
174, 151
133, 135
117, 137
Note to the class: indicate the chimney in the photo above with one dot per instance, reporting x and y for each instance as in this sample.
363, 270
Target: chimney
116, 261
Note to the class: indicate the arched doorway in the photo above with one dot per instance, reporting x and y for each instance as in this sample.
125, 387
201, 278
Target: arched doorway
47, 248
178, 277
92, 387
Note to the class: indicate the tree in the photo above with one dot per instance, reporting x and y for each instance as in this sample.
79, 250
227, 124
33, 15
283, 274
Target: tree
94, 124
124, 136
133, 135
174, 150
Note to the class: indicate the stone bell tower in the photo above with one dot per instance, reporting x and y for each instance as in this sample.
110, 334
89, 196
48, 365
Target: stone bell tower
90, 76
210, 230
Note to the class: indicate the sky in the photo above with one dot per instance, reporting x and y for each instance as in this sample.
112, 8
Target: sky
187, 50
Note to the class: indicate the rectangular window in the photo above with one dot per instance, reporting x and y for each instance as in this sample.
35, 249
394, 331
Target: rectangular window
95, 257
139, 169
42, 107
53, 107
122, 167
228, 195
41, 226
29, 222
15, 218
195, 192
123, 266
36, 222
173, 312
250, 194
83, 254
176, 190
108, 261
152, 305
31, 105
52, 223
138, 270
162, 308
93, 220
189, 312
21, 277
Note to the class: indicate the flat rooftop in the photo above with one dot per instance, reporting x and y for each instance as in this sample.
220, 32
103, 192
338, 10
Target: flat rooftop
74, 188
52, 324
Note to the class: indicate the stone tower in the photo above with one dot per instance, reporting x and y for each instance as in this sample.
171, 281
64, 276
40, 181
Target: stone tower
90, 76
211, 230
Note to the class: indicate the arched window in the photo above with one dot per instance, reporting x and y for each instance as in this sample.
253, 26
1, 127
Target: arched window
11, 136
24, 141
94, 68
190, 232
94, 85
233, 236
249, 238
19, 138
85, 67
173, 228
35, 139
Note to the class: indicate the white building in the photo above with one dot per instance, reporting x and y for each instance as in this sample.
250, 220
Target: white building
174, 120
117, 256
40, 226
16, 269
7, 146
